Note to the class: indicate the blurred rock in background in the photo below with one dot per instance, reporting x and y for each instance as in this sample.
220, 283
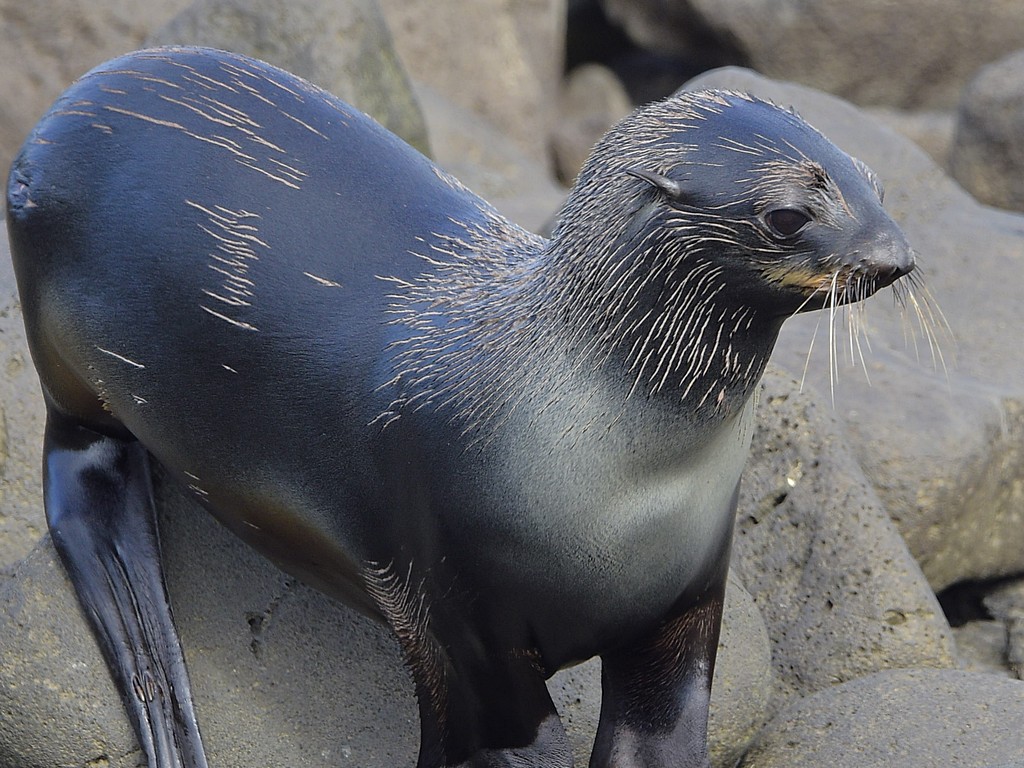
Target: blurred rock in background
987, 155
345, 48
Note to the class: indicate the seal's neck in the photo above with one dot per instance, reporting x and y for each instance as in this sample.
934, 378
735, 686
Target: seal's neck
668, 323
487, 329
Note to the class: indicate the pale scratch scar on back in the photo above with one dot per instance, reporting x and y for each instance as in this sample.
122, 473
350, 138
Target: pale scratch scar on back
234, 239
238, 323
122, 358
322, 280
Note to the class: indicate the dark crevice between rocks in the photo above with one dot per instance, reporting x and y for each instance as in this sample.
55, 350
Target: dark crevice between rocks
647, 75
964, 601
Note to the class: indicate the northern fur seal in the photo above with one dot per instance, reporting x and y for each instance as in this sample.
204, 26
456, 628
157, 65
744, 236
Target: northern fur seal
518, 453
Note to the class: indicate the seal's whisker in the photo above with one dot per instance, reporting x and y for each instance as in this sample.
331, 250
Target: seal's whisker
910, 334
936, 318
922, 315
900, 295
859, 331
810, 347
851, 321
923, 310
850, 293
832, 349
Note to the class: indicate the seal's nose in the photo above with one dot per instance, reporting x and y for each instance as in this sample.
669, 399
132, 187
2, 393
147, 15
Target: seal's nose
892, 257
904, 259
899, 267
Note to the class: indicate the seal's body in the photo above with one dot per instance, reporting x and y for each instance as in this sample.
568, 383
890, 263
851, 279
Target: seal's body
518, 453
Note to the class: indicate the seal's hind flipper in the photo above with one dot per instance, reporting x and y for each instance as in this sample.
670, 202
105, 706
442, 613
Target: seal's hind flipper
102, 521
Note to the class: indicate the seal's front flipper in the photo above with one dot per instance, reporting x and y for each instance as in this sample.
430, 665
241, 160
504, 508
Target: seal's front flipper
656, 691
102, 521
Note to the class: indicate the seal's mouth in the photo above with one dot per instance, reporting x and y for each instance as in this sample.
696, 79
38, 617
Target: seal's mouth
843, 285
847, 285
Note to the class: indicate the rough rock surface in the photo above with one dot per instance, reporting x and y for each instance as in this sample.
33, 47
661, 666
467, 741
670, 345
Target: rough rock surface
987, 156
21, 428
272, 661
343, 47
499, 60
282, 675
945, 452
907, 54
840, 593
901, 718
743, 694
46, 45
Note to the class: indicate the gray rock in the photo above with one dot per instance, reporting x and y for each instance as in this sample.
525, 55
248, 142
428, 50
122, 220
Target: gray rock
900, 718
21, 428
53, 676
592, 100
743, 693
907, 54
987, 156
46, 45
481, 156
344, 47
282, 675
500, 60
945, 453
840, 593
931, 130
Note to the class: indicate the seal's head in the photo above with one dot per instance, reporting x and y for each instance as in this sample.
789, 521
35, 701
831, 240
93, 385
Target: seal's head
789, 221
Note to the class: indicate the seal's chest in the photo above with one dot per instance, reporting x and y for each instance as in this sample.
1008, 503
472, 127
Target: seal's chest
596, 528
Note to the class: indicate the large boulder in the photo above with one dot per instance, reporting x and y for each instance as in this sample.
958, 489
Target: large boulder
499, 60
910, 54
840, 593
282, 676
942, 440
482, 157
344, 47
901, 718
987, 156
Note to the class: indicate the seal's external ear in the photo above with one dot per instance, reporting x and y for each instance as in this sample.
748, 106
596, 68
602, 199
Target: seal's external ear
663, 183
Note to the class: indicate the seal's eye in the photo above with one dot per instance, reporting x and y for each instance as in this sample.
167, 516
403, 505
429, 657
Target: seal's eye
786, 222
